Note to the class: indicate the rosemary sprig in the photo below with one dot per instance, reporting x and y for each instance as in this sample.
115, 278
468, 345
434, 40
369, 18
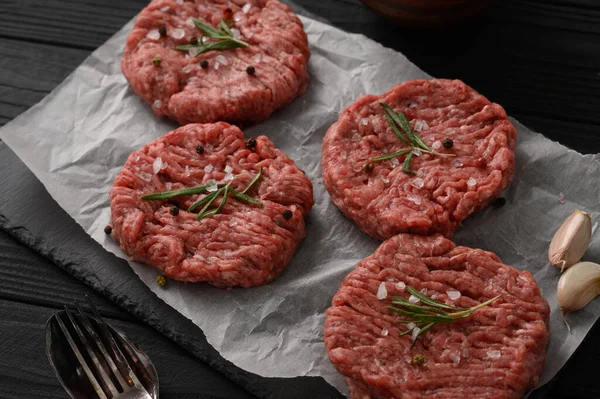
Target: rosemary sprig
402, 129
209, 199
423, 317
222, 37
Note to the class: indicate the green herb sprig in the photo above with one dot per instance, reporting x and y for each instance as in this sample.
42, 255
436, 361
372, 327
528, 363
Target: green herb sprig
222, 38
402, 129
430, 313
209, 200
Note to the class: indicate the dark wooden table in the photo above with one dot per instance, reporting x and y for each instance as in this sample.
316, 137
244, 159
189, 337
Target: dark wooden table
538, 58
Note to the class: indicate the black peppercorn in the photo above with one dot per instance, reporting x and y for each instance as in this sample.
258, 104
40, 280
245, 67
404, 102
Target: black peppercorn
200, 149
194, 40
228, 13
204, 64
447, 143
174, 211
418, 360
287, 214
108, 229
163, 31
156, 61
250, 70
251, 142
368, 167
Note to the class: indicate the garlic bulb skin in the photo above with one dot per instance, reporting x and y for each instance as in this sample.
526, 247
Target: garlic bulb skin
578, 286
571, 240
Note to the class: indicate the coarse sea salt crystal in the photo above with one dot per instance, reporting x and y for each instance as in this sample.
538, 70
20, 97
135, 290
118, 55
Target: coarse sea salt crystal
211, 186
412, 105
188, 68
456, 358
190, 22
413, 299
401, 285
436, 145
256, 58
217, 65
385, 179
145, 176
157, 104
246, 8
154, 34
457, 164
192, 52
177, 33
384, 332
187, 170
411, 325
165, 8
233, 222
416, 152
168, 185
228, 169
364, 121
395, 163
236, 33
421, 125
356, 137
471, 182
237, 17
453, 294
414, 198
415, 333
418, 182
221, 59
357, 168
208, 168
494, 354
208, 147
179, 1
381, 291
157, 165
228, 177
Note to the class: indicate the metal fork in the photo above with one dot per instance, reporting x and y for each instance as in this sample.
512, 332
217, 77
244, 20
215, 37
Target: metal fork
107, 369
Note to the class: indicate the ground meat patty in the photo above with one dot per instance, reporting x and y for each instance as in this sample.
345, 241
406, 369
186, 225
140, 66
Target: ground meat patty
181, 89
497, 353
445, 190
244, 244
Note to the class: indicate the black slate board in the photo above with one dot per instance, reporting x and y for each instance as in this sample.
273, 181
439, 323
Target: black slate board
50, 231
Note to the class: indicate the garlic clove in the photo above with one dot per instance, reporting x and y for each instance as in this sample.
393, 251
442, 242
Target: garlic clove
571, 240
578, 286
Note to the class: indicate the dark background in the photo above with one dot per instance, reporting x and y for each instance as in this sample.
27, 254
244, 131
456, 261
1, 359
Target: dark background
539, 59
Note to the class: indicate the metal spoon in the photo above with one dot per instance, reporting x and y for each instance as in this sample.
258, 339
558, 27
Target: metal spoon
69, 370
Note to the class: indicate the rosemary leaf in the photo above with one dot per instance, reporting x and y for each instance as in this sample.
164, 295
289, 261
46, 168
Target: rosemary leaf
421, 331
430, 301
208, 30
223, 36
165, 195
392, 155
388, 116
415, 308
406, 164
211, 200
203, 200
254, 180
225, 27
414, 137
218, 209
245, 197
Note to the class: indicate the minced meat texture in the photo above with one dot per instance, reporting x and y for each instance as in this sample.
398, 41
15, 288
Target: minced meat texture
215, 85
244, 244
497, 353
380, 197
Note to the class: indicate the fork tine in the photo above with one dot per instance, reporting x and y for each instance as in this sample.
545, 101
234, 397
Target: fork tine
90, 329
105, 380
121, 361
81, 360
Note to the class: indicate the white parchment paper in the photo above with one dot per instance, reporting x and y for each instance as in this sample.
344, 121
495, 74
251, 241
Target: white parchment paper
77, 139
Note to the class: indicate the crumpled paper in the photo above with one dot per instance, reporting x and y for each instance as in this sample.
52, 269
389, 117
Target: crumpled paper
77, 139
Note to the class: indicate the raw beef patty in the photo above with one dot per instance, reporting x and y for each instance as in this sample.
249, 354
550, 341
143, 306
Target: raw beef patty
497, 353
445, 190
243, 244
181, 89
